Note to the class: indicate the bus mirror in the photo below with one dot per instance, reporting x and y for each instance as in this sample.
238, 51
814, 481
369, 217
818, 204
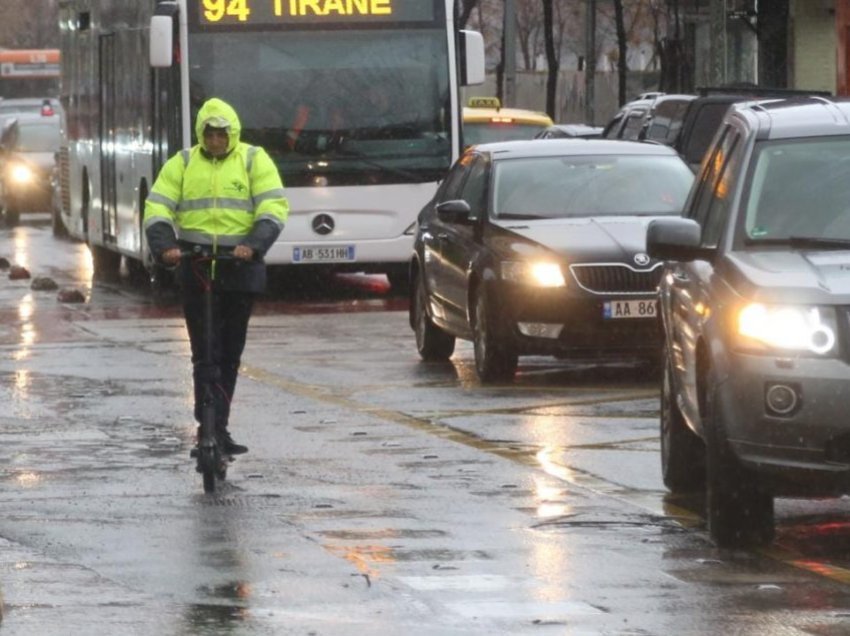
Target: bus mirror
472, 58
161, 43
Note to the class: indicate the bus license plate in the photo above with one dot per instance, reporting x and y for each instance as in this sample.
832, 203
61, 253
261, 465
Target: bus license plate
319, 254
630, 309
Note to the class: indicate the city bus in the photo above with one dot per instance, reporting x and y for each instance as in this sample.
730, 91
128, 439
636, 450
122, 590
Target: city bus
356, 101
29, 73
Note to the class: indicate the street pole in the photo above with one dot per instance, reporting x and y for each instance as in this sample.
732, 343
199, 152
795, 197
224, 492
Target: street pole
590, 62
510, 53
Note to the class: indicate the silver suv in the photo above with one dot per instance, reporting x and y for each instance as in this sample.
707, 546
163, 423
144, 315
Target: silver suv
755, 303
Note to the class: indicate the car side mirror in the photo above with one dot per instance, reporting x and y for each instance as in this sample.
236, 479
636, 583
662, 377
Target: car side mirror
676, 239
456, 211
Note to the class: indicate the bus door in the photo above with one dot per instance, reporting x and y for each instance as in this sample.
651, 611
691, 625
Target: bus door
108, 138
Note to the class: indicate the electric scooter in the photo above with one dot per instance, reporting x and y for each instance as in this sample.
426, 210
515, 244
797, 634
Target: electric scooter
210, 461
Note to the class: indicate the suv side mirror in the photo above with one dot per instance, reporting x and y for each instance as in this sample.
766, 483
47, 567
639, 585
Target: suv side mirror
675, 239
456, 211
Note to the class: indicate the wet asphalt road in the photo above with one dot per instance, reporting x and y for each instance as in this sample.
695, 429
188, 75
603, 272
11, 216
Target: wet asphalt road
381, 495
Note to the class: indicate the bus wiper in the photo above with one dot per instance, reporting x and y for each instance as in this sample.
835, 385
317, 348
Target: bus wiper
804, 242
383, 167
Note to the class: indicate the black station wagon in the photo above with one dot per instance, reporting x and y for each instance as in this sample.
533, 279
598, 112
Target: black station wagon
539, 247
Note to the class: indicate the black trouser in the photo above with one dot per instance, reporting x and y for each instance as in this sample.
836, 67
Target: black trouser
231, 312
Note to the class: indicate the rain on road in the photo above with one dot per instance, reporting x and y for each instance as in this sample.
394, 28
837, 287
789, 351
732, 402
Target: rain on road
381, 495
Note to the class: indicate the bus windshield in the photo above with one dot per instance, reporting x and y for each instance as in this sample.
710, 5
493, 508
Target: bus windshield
335, 108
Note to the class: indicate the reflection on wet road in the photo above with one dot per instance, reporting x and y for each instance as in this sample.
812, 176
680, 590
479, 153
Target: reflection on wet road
381, 495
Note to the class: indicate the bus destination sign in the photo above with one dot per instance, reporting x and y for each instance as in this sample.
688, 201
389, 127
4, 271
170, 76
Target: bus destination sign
271, 13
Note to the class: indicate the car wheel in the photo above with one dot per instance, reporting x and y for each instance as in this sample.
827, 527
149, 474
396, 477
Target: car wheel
433, 343
495, 359
739, 511
682, 452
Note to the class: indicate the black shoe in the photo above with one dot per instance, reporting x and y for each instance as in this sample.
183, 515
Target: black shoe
228, 446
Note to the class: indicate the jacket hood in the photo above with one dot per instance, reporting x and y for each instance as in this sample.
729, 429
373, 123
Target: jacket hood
215, 111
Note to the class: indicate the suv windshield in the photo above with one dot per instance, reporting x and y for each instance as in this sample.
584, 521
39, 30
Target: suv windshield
799, 189
558, 187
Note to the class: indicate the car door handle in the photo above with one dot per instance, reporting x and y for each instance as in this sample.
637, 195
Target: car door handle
442, 236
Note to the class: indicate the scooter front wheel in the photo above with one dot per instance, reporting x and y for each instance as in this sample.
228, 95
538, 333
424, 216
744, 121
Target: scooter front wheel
209, 465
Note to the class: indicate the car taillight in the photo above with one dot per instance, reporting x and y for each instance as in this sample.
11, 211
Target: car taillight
47, 111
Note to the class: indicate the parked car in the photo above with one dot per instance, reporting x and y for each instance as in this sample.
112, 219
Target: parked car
538, 247
629, 121
28, 147
570, 131
485, 121
664, 121
702, 118
754, 305
15, 107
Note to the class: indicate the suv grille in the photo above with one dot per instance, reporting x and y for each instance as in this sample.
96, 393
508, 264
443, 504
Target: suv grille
616, 278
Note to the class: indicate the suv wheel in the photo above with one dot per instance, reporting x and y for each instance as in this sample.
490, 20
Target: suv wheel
682, 452
433, 343
738, 510
495, 359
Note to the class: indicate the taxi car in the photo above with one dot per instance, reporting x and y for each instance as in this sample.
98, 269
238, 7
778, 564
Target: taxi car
485, 121
754, 302
538, 247
28, 147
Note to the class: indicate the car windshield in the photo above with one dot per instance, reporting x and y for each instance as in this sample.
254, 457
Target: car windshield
38, 137
799, 189
579, 186
488, 132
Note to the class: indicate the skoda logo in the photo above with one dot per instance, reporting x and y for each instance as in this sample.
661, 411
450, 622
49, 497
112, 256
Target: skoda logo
641, 259
323, 224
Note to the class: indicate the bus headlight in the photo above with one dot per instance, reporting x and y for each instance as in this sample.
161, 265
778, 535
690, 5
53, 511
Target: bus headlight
21, 174
789, 327
535, 273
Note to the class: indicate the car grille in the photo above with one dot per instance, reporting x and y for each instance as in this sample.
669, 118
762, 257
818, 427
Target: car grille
616, 278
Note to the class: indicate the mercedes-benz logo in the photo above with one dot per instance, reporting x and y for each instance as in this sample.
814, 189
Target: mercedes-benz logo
641, 259
323, 224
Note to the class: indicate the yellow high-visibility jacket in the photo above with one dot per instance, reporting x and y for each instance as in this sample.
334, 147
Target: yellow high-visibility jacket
217, 203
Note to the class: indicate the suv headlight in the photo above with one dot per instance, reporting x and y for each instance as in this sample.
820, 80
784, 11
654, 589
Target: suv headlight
534, 273
789, 327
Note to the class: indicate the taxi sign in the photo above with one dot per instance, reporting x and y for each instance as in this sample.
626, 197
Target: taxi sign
484, 102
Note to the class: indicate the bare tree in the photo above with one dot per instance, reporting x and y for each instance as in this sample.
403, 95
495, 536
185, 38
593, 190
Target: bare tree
622, 51
29, 25
466, 7
552, 58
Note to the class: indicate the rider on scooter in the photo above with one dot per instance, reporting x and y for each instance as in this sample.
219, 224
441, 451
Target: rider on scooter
219, 195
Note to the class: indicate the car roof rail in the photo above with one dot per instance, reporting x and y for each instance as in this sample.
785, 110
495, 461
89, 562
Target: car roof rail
748, 90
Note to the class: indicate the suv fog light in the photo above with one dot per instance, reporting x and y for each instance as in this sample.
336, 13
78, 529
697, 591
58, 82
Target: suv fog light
540, 329
781, 399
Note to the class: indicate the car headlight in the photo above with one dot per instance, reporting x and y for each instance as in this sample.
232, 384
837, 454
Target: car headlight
21, 174
789, 327
535, 273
